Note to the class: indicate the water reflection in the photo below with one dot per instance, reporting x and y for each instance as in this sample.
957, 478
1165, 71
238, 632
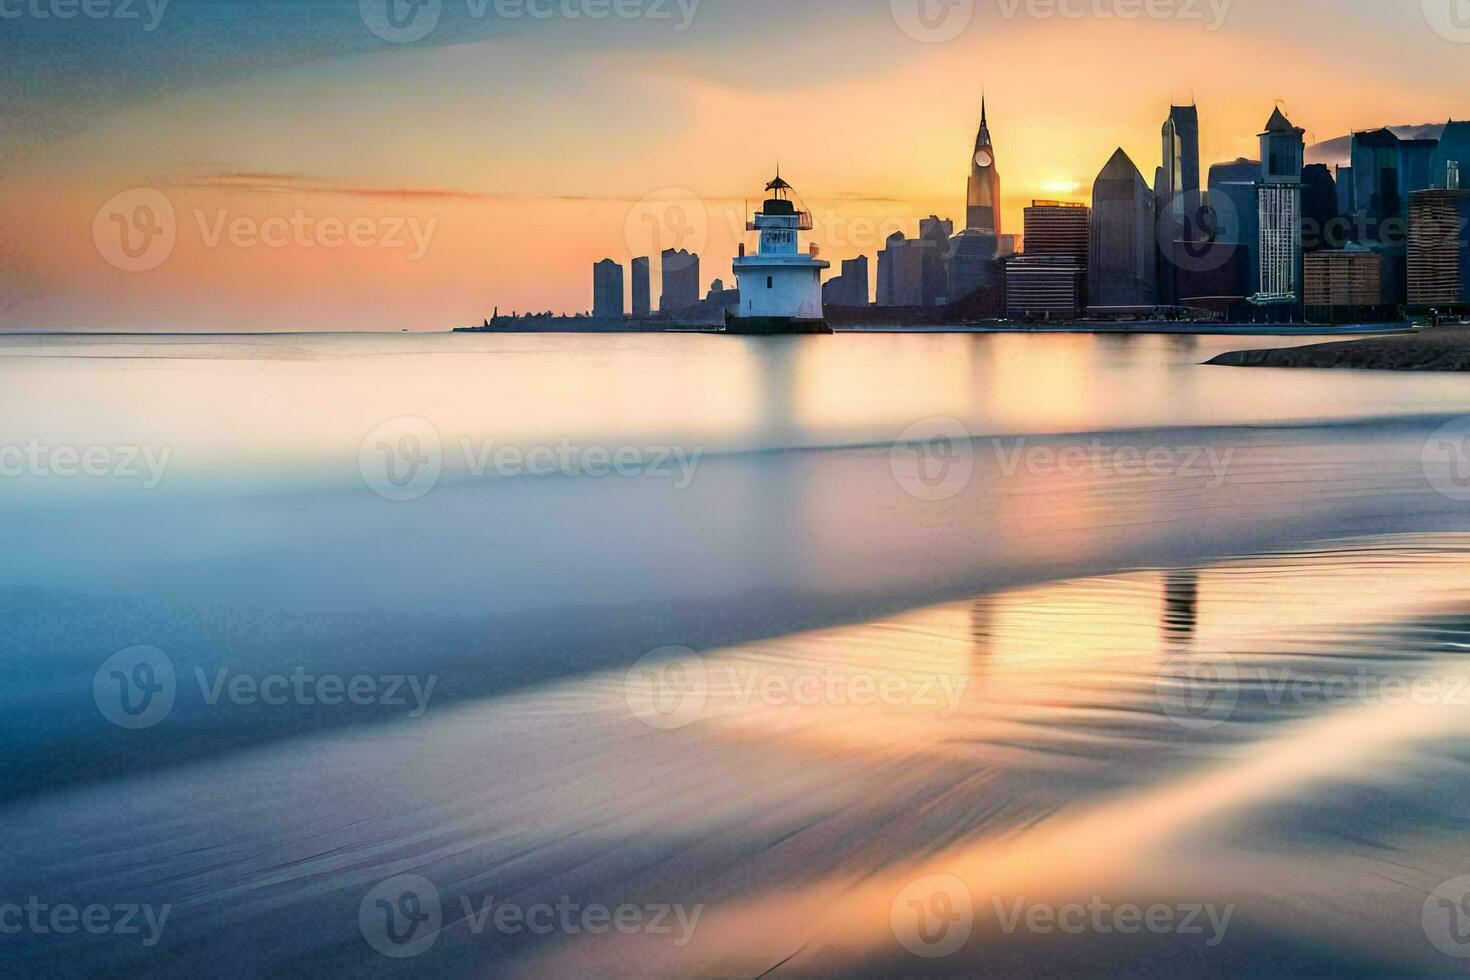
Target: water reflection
1056, 774
1181, 606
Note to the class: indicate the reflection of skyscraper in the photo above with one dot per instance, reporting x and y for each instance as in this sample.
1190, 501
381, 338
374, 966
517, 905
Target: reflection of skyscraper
983, 212
642, 296
1181, 605
982, 630
607, 290
1121, 270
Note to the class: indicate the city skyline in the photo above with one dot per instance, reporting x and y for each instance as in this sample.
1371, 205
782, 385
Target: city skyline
517, 187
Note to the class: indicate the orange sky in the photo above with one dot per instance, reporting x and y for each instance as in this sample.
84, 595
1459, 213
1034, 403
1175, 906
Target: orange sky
521, 161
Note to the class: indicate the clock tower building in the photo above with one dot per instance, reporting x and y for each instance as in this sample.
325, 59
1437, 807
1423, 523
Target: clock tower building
983, 212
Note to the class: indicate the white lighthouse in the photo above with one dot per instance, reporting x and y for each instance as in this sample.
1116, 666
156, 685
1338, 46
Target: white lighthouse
780, 286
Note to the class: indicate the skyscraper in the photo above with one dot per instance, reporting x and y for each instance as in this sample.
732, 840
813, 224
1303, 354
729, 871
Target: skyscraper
642, 296
1049, 279
1181, 151
681, 281
855, 274
1416, 170
1280, 209
851, 287
983, 211
1439, 249
1178, 192
1121, 269
607, 290
972, 256
1343, 284
1319, 208
887, 261
934, 236
1375, 180
1234, 190
1058, 228
1452, 156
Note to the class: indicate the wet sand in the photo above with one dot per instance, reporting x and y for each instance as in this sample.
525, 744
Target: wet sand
1437, 349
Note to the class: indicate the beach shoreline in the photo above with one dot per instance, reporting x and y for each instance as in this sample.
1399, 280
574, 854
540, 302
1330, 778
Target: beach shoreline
1436, 349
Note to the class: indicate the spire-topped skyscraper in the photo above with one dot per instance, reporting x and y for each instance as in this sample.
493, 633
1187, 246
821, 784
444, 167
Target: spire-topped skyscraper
983, 212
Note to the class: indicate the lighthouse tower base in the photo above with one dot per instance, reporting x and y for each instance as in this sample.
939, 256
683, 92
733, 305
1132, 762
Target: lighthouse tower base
773, 326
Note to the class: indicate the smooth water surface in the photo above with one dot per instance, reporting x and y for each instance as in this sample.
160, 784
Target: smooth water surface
1110, 620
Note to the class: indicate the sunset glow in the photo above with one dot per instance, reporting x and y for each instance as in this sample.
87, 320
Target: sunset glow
525, 146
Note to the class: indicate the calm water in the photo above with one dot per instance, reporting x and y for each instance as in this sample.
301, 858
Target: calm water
874, 645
